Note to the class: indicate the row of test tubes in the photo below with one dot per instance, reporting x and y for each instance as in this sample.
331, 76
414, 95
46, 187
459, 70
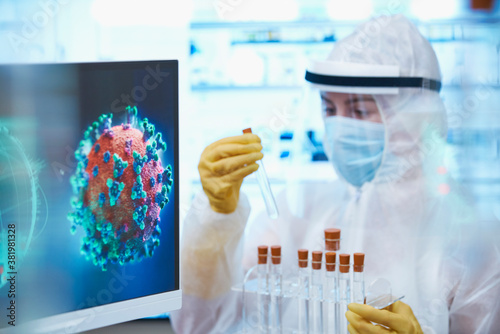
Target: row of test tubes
270, 290
323, 290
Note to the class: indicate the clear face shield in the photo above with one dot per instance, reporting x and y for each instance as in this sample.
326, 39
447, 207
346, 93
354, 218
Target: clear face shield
351, 119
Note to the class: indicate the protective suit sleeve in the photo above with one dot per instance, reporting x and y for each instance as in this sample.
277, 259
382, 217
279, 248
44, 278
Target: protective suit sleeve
211, 253
475, 306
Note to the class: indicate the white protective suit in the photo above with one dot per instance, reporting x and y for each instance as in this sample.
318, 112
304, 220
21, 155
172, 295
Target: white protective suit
426, 240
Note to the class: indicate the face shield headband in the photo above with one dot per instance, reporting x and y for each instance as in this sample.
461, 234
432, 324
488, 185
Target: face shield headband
357, 78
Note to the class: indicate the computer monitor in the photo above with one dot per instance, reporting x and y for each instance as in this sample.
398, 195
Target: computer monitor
89, 194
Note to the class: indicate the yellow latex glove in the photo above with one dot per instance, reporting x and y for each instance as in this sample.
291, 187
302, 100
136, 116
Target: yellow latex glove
398, 318
223, 166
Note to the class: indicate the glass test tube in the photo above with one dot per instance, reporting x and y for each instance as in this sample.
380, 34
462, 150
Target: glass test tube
331, 293
344, 289
276, 289
332, 243
358, 282
265, 188
316, 293
262, 290
303, 297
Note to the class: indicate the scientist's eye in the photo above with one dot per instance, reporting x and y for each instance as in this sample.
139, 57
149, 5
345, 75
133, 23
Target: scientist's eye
361, 114
329, 112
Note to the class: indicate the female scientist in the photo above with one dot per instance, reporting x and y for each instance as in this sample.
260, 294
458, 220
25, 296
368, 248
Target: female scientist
385, 130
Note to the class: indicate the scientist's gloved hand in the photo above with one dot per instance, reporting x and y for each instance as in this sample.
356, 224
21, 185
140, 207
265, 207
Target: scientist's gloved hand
398, 317
223, 166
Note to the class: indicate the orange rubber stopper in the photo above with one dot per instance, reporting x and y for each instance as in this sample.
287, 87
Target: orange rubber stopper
332, 239
303, 254
316, 260
276, 254
344, 263
262, 254
330, 261
359, 261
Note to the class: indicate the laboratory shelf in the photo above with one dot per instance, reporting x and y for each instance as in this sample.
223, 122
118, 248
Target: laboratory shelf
329, 42
228, 87
279, 42
471, 20
209, 87
269, 24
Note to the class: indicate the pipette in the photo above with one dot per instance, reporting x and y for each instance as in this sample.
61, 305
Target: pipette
265, 188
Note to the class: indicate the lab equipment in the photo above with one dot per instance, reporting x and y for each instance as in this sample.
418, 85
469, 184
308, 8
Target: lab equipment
332, 306
263, 289
265, 187
303, 288
57, 131
332, 239
379, 294
358, 280
344, 289
331, 293
313, 300
276, 290
316, 294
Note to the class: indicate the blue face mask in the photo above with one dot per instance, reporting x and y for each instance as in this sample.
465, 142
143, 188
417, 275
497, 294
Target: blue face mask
354, 147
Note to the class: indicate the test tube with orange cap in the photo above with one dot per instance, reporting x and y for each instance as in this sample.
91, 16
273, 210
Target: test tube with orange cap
358, 281
331, 293
332, 239
276, 289
265, 188
316, 293
303, 285
344, 289
263, 289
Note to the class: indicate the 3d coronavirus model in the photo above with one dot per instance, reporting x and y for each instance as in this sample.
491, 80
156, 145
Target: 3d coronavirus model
120, 187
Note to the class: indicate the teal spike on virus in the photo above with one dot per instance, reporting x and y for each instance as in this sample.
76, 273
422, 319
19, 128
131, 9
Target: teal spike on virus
118, 166
140, 215
102, 199
120, 187
160, 143
151, 152
137, 191
167, 178
161, 197
139, 161
115, 189
149, 129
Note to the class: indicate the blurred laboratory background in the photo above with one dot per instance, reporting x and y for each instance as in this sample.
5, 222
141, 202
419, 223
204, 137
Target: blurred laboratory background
242, 64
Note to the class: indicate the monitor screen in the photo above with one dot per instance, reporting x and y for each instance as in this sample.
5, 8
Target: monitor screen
89, 219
